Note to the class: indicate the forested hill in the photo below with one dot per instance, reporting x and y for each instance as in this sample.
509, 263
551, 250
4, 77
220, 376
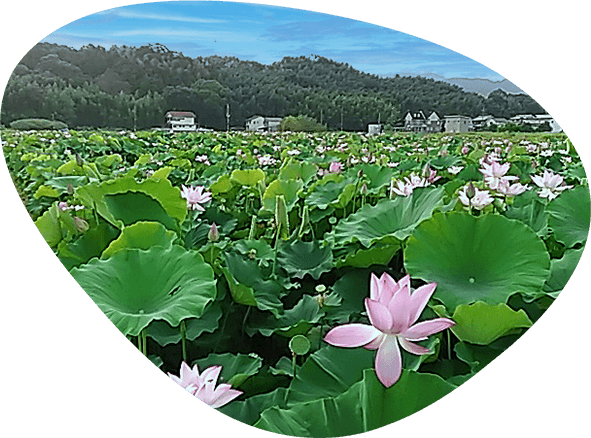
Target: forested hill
132, 87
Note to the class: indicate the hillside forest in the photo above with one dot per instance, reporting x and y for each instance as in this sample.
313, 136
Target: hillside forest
133, 87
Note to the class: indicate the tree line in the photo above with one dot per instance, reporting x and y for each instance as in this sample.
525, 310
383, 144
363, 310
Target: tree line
133, 87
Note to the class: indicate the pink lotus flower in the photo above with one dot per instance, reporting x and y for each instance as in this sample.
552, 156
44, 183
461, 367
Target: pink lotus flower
552, 185
393, 312
203, 386
508, 190
335, 167
410, 183
479, 200
195, 197
494, 172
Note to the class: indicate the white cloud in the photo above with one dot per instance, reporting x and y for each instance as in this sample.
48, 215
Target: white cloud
161, 17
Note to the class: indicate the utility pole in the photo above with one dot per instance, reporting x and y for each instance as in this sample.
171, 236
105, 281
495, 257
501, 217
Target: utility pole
321, 116
227, 117
341, 119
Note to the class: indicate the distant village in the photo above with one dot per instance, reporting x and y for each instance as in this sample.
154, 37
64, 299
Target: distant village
186, 121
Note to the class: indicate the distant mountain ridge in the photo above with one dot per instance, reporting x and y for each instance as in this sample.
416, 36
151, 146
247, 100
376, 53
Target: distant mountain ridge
475, 85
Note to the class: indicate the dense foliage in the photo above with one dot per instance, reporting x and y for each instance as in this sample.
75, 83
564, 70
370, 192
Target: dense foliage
244, 250
131, 87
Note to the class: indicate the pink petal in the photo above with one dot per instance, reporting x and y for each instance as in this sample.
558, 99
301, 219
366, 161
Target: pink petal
399, 308
389, 361
427, 328
412, 347
217, 397
351, 335
211, 374
374, 287
419, 299
379, 315
375, 344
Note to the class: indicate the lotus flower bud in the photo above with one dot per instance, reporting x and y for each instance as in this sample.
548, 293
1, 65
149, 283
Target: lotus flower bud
281, 218
252, 254
471, 190
79, 160
70, 189
360, 173
363, 188
80, 224
214, 234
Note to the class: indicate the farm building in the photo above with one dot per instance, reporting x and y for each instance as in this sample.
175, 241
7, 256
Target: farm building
417, 122
458, 124
536, 120
261, 123
181, 121
487, 122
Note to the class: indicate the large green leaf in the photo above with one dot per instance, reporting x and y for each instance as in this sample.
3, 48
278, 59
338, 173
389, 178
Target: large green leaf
329, 372
236, 368
249, 177
481, 323
365, 406
296, 170
91, 244
288, 188
301, 258
124, 201
364, 258
248, 287
249, 410
562, 269
297, 320
378, 176
141, 235
487, 258
529, 209
135, 287
569, 216
396, 218
332, 194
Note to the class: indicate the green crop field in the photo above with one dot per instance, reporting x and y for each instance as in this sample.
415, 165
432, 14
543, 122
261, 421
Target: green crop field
321, 272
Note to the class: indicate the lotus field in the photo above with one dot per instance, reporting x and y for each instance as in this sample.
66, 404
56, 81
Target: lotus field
311, 284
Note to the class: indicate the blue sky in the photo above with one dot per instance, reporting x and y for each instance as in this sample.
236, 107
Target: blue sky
266, 34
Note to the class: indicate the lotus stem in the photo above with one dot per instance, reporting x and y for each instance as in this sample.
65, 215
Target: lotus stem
293, 361
252, 232
183, 328
278, 229
144, 348
448, 345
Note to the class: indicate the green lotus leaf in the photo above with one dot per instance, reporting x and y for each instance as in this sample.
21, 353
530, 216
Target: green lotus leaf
91, 244
481, 323
124, 201
353, 288
249, 177
248, 287
164, 334
249, 410
300, 258
70, 168
162, 173
376, 255
135, 287
365, 406
325, 195
222, 185
140, 235
329, 372
259, 249
236, 368
298, 320
569, 216
487, 258
529, 209
395, 218
56, 224
378, 177
478, 356
288, 188
296, 170
49, 192
562, 269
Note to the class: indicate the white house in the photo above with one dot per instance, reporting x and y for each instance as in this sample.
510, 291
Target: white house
417, 122
261, 123
537, 120
487, 122
458, 123
181, 121
375, 128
